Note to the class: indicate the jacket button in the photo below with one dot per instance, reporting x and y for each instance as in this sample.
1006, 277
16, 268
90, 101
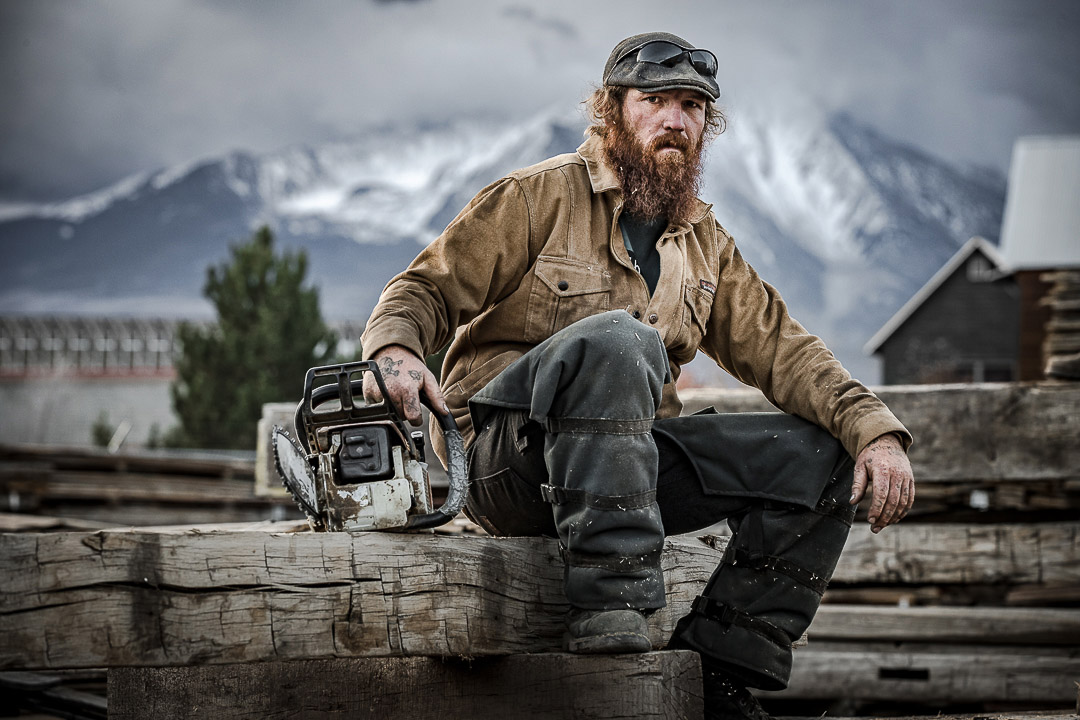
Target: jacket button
654, 318
563, 285
637, 315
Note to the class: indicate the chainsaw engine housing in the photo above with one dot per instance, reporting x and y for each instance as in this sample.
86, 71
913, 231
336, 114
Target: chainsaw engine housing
359, 467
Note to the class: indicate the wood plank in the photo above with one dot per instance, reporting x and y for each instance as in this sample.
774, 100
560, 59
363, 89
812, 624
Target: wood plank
651, 685
19, 522
983, 431
978, 675
174, 597
996, 626
105, 486
129, 597
203, 463
943, 553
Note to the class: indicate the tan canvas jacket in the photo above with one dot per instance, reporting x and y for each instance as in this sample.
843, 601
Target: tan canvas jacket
541, 248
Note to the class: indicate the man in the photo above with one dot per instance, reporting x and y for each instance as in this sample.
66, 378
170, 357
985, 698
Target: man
573, 292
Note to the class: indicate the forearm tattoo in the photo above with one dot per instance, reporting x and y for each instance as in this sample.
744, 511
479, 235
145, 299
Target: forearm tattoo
416, 375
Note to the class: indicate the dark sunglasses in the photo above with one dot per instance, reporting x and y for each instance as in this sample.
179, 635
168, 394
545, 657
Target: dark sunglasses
668, 54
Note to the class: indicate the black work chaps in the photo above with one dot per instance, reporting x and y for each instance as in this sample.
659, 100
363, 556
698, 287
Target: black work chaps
567, 447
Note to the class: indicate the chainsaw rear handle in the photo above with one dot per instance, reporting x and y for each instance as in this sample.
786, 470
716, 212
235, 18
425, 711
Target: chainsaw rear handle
345, 390
456, 469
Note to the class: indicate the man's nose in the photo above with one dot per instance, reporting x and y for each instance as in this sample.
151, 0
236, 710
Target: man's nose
674, 119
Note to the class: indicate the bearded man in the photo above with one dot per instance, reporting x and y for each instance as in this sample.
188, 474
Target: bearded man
573, 291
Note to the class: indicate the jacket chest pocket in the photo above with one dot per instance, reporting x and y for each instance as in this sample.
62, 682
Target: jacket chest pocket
697, 307
563, 292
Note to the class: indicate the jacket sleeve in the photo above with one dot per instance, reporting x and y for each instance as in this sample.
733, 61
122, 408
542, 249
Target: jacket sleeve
751, 335
480, 257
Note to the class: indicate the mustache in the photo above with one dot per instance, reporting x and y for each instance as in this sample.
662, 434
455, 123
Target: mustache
670, 140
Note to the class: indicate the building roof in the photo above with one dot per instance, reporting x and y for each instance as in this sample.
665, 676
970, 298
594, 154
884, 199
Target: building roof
1041, 225
955, 263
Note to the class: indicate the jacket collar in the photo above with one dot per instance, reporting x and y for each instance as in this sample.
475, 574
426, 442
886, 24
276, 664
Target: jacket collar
603, 178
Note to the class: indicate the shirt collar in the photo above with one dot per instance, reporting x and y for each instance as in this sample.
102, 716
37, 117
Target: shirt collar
603, 178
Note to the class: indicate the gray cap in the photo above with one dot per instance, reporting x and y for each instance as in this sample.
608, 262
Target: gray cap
628, 72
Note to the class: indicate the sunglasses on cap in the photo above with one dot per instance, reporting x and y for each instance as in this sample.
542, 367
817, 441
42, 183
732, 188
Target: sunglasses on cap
668, 54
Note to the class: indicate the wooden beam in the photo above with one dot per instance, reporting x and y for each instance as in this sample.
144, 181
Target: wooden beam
988, 431
973, 625
177, 597
130, 597
929, 553
660, 686
957, 674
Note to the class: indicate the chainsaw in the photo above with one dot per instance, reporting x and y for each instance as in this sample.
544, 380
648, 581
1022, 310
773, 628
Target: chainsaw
356, 466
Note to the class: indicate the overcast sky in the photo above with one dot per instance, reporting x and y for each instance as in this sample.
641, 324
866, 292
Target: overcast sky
94, 91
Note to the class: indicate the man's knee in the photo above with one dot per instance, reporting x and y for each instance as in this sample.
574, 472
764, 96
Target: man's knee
615, 340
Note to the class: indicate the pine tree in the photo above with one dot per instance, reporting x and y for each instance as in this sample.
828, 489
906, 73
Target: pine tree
269, 331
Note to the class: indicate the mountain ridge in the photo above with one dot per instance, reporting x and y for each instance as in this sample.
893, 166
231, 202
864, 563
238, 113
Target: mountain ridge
844, 221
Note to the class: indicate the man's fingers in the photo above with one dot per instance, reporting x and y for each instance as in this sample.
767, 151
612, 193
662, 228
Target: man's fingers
372, 394
895, 484
434, 394
410, 403
858, 486
880, 491
909, 498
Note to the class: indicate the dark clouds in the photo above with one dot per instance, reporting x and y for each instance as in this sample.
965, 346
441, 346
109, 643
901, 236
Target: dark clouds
97, 90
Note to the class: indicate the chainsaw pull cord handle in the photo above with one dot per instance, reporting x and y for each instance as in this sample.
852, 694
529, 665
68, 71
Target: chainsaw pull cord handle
456, 469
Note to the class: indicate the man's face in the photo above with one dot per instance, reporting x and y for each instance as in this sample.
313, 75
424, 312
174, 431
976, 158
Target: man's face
673, 119
655, 148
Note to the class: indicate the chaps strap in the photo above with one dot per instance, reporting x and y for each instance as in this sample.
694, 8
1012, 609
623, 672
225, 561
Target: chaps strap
570, 496
727, 615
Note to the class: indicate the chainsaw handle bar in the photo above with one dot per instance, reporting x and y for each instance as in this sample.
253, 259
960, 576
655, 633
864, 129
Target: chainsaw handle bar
456, 469
346, 389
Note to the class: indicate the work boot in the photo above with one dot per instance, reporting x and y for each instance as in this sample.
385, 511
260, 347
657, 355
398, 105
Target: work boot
594, 632
726, 698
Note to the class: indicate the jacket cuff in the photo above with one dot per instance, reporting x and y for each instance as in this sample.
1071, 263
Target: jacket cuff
390, 331
873, 426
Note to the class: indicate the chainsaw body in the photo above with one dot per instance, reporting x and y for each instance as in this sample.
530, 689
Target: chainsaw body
357, 466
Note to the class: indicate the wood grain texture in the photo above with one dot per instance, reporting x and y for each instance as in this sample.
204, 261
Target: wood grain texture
931, 553
159, 598
956, 674
972, 625
659, 686
181, 597
987, 432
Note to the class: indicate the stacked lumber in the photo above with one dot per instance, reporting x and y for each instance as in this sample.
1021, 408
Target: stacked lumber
131, 488
940, 609
1061, 347
161, 597
975, 596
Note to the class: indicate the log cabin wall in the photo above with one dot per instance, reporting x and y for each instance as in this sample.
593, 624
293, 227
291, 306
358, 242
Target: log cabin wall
1034, 316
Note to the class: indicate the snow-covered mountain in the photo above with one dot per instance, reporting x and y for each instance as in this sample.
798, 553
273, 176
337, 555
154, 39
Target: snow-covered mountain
847, 223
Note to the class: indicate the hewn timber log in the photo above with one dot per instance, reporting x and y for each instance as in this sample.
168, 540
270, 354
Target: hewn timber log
176, 597
990, 431
132, 597
927, 553
935, 674
972, 625
660, 686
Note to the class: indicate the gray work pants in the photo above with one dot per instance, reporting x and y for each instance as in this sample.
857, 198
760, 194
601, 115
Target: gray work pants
567, 447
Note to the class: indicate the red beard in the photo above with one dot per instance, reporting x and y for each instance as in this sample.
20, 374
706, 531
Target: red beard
653, 185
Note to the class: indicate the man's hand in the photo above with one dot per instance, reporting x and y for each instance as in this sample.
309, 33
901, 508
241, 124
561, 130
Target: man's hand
885, 464
405, 377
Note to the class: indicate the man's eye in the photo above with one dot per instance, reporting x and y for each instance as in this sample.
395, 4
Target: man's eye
652, 99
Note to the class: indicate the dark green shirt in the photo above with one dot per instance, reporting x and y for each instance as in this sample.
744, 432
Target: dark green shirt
640, 240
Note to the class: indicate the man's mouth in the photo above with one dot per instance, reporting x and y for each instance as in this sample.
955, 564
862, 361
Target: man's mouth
671, 142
